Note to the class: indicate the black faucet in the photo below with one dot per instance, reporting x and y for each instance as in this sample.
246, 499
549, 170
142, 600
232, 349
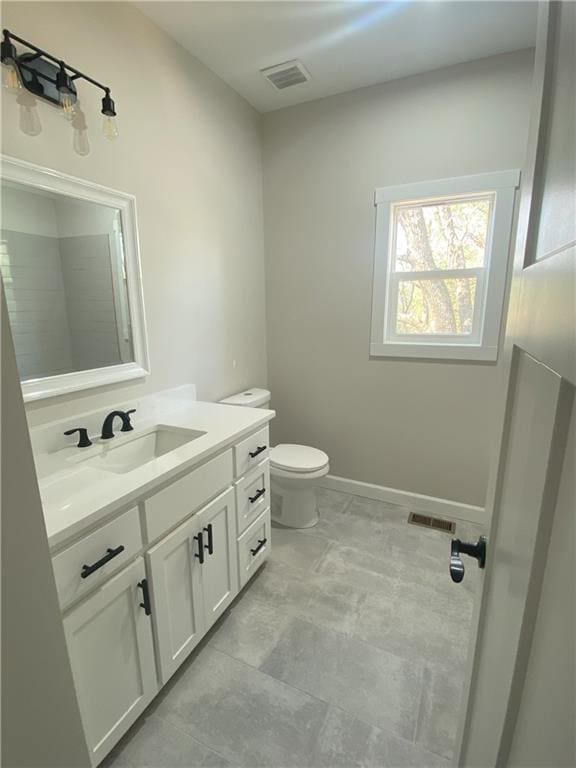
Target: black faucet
107, 431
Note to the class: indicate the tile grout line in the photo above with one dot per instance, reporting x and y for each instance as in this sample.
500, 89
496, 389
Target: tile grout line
190, 736
308, 693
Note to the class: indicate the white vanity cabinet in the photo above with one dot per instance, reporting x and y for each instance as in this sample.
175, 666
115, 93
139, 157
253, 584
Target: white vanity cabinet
194, 579
141, 590
109, 639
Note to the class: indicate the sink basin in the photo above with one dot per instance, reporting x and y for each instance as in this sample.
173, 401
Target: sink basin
133, 452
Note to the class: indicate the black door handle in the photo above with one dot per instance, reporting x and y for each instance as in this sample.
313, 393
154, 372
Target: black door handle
210, 545
145, 596
261, 543
257, 452
200, 554
257, 495
110, 555
458, 547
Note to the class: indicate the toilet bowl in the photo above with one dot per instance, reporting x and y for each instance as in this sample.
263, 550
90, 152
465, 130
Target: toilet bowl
294, 471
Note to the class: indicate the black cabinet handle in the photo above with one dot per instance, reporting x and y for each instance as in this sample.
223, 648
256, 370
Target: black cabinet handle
200, 554
145, 596
257, 549
257, 452
83, 439
257, 495
210, 545
110, 555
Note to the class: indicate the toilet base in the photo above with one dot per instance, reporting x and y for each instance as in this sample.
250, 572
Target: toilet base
294, 503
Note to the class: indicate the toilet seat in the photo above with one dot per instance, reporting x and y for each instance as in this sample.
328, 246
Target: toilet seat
297, 459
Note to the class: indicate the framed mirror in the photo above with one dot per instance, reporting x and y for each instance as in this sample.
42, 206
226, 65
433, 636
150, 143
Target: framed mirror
70, 266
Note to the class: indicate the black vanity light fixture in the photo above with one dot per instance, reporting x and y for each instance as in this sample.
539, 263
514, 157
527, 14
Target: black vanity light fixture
47, 77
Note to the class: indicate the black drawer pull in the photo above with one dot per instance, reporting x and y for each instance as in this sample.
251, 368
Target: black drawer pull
200, 554
145, 596
210, 545
257, 452
261, 543
110, 555
257, 495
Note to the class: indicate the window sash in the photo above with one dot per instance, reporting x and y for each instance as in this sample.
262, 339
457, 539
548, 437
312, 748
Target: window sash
474, 337
435, 201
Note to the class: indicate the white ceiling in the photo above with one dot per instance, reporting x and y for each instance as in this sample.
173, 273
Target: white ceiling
344, 45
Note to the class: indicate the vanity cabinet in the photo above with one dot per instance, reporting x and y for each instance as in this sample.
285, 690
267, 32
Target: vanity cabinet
194, 579
141, 590
109, 638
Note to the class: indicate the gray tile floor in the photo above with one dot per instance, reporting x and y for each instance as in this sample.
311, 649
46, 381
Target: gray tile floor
348, 648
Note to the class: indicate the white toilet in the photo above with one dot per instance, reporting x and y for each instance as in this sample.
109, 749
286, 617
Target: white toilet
294, 471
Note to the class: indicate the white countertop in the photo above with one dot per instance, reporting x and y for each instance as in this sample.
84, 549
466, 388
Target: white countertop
75, 497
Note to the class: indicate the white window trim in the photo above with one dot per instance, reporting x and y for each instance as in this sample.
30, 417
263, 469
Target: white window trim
482, 345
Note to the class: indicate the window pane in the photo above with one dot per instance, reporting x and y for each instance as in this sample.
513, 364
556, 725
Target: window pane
441, 235
436, 307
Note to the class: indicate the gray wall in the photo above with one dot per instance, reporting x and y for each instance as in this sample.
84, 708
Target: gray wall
40, 717
419, 426
189, 150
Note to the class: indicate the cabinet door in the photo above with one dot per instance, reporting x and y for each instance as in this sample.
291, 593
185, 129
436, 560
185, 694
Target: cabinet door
174, 568
217, 522
109, 639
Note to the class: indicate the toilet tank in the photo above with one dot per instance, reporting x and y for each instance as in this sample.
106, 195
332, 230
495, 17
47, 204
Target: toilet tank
251, 398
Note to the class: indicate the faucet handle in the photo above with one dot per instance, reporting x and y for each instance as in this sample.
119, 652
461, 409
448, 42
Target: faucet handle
126, 424
83, 439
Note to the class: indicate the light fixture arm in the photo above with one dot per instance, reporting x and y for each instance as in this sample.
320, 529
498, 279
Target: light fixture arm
40, 53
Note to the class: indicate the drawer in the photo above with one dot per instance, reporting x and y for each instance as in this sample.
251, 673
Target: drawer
251, 451
121, 536
170, 506
254, 547
252, 495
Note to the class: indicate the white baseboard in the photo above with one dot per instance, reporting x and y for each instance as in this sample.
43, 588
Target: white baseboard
453, 510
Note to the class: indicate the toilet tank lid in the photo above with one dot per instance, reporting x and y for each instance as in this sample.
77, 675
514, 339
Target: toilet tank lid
250, 397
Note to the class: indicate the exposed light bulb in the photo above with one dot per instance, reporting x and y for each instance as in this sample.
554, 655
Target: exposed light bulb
109, 127
10, 78
30, 120
67, 103
80, 143
80, 140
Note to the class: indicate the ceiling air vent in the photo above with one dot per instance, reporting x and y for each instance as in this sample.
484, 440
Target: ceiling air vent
286, 75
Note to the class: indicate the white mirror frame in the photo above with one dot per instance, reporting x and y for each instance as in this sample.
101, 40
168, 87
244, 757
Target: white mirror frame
53, 181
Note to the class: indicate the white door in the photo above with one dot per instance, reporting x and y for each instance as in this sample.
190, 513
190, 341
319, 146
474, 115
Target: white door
174, 566
217, 523
527, 494
109, 639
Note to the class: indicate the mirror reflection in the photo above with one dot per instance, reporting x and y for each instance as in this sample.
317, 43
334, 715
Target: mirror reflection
63, 268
